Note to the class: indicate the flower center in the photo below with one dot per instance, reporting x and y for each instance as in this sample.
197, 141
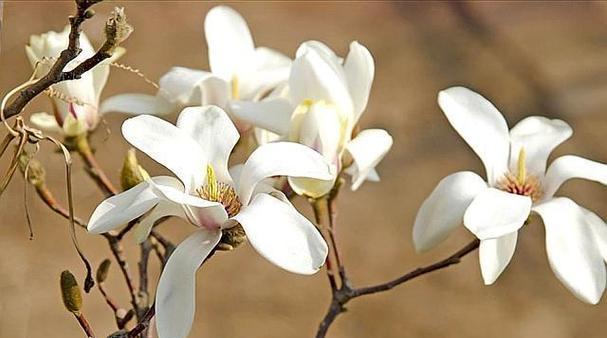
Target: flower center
521, 183
223, 193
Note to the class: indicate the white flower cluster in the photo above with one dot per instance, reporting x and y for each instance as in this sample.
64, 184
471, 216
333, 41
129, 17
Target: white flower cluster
304, 114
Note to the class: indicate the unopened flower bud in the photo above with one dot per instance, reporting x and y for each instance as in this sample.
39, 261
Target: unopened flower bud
70, 292
103, 270
116, 28
89, 13
36, 174
132, 173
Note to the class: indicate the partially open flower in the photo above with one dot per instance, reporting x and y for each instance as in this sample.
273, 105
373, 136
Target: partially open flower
215, 200
518, 183
320, 108
75, 108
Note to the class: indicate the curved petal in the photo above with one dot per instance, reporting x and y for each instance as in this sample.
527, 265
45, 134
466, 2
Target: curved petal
315, 78
320, 48
272, 114
282, 235
572, 251
169, 146
281, 159
45, 121
231, 48
161, 210
481, 125
215, 133
176, 293
136, 104
360, 70
367, 149
122, 208
538, 136
200, 212
569, 166
101, 72
191, 87
444, 209
271, 69
599, 229
495, 254
494, 213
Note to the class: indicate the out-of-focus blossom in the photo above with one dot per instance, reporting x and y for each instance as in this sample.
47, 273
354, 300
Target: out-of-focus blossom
320, 108
239, 70
215, 200
517, 184
75, 102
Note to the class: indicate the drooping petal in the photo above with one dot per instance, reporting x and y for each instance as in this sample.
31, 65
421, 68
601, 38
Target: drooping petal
360, 70
45, 121
281, 159
367, 149
599, 229
215, 133
494, 256
168, 145
572, 251
481, 125
569, 166
315, 78
176, 293
122, 208
190, 87
494, 213
231, 48
136, 104
444, 209
282, 235
272, 114
200, 212
538, 136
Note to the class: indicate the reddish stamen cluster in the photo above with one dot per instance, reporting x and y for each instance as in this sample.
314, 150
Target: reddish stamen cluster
529, 187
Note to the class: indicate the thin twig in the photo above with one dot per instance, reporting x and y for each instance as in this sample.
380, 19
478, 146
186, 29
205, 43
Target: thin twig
93, 168
84, 324
320, 212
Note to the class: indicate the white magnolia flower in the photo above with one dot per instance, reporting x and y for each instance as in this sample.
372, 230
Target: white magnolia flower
518, 183
214, 199
239, 71
77, 110
320, 108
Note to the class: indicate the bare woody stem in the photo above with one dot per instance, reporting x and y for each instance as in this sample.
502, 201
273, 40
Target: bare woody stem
56, 73
84, 324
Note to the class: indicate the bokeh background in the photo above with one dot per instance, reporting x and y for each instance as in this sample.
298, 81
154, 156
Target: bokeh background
528, 58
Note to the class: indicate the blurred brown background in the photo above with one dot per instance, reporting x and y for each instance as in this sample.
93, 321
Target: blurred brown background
528, 58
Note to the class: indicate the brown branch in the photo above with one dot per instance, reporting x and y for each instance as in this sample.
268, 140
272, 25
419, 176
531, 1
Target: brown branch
84, 324
93, 168
320, 211
346, 293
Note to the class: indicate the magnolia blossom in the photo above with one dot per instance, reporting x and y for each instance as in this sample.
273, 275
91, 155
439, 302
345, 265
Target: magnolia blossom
213, 199
320, 108
517, 184
75, 102
239, 71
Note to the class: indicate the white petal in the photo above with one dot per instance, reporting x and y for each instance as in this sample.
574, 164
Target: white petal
599, 229
162, 209
101, 72
45, 121
444, 209
231, 48
272, 114
136, 104
281, 159
569, 166
215, 133
190, 87
367, 149
169, 146
494, 213
200, 212
360, 70
282, 235
271, 68
316, 78
538, 136
119, 209
572, 250
495, 254
176, 294
481, 125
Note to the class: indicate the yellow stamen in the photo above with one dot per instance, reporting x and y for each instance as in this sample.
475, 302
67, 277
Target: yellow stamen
235, 88
213, 191
521, 167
